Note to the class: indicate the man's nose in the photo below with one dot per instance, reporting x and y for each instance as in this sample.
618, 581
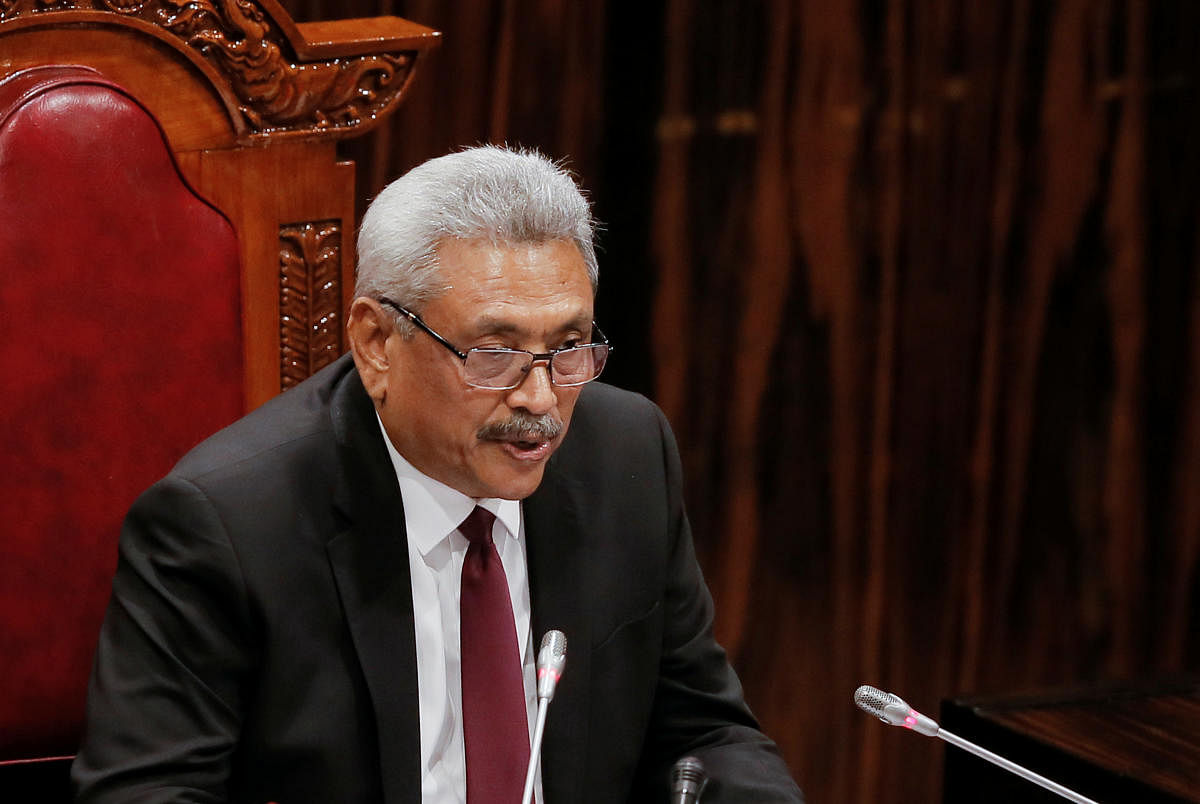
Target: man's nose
535, 393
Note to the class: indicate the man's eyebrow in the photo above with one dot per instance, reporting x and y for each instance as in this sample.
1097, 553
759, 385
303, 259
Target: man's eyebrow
488, 325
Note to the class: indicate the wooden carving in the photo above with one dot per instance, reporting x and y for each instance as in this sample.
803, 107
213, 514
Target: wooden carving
277, 93
310, 298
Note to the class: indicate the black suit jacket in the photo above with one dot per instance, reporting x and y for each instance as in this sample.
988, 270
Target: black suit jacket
259, 643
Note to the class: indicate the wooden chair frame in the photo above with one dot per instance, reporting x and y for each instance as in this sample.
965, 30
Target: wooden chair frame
253, 104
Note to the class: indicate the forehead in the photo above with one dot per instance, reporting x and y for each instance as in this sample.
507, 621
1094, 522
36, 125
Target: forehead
484, 279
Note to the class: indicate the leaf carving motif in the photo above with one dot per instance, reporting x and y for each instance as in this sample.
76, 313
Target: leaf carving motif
310, 298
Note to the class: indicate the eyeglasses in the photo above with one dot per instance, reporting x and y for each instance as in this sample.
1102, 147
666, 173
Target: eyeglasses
505, 369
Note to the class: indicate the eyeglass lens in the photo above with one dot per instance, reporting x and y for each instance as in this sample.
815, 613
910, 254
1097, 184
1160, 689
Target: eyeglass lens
503, 368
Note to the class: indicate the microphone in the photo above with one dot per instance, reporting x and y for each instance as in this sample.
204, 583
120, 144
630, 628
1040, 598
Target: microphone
551, 659
893, 710
687, 781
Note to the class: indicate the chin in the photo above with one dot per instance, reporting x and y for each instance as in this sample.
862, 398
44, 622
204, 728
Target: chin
516, 488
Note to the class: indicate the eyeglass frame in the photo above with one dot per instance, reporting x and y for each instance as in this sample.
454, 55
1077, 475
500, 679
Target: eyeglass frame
547, 357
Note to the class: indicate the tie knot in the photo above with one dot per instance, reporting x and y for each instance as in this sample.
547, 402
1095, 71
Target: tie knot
477, 527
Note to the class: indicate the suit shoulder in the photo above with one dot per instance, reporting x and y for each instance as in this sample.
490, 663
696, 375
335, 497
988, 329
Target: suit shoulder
611, 424
288, 420
604, 402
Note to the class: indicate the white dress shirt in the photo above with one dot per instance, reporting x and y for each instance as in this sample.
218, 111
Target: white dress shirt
432, 513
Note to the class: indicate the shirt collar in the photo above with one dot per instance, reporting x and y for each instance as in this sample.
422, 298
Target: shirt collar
433, 510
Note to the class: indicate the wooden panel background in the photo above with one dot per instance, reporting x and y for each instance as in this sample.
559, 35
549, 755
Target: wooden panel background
915, 282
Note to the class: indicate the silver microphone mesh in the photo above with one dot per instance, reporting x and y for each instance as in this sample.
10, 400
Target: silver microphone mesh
556, 642
872, 701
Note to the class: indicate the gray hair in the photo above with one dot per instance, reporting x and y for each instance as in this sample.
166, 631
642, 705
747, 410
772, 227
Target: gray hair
486, 193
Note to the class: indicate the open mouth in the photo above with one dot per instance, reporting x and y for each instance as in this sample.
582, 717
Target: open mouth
524, 437
526, 450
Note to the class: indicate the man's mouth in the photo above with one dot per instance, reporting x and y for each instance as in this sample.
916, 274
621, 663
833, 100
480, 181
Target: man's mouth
525, 450
524, 436
528, 444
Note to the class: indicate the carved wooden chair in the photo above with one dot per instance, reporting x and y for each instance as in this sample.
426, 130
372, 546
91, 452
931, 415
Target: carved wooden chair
175, 235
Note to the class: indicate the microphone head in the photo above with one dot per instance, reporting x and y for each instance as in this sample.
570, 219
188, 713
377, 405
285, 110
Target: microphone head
554, 646
883, 705
552, 657
893, 710
688, 777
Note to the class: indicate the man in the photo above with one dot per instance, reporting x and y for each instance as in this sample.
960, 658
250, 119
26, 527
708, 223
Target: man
337, 598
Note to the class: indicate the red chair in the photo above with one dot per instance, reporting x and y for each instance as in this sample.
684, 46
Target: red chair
159, 280
120, 338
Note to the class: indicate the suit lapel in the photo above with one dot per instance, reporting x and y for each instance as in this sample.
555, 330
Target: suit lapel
555, 557
370, 564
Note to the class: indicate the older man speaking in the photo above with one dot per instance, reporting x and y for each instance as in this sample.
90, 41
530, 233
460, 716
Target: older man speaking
337, 598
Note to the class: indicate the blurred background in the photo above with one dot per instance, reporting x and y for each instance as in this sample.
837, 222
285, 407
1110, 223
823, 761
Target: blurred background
915, 282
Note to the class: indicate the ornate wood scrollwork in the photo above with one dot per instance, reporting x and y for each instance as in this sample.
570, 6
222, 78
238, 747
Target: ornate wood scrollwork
276, 92
310, 298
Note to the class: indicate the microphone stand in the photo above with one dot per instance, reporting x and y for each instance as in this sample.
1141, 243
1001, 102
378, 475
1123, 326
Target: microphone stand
893, 710
536, 750
1013, 767
552, 657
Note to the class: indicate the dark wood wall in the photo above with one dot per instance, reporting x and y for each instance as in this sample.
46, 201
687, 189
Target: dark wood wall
915, 282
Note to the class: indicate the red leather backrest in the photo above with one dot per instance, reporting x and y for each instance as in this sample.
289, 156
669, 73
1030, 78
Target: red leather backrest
120, 348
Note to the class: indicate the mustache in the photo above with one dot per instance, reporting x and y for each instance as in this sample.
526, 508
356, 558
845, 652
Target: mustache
522, 426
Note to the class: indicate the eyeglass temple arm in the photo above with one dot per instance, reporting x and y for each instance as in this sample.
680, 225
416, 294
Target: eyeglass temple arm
416, 319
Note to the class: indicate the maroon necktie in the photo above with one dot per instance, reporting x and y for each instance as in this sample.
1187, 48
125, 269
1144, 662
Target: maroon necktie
495, 723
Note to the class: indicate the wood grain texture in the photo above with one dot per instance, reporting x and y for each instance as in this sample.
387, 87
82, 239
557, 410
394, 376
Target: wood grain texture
951, 457
1157, 739
1118, 742
266, 190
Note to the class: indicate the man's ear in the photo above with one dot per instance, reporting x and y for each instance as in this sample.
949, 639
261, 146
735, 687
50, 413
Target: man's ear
368, 329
